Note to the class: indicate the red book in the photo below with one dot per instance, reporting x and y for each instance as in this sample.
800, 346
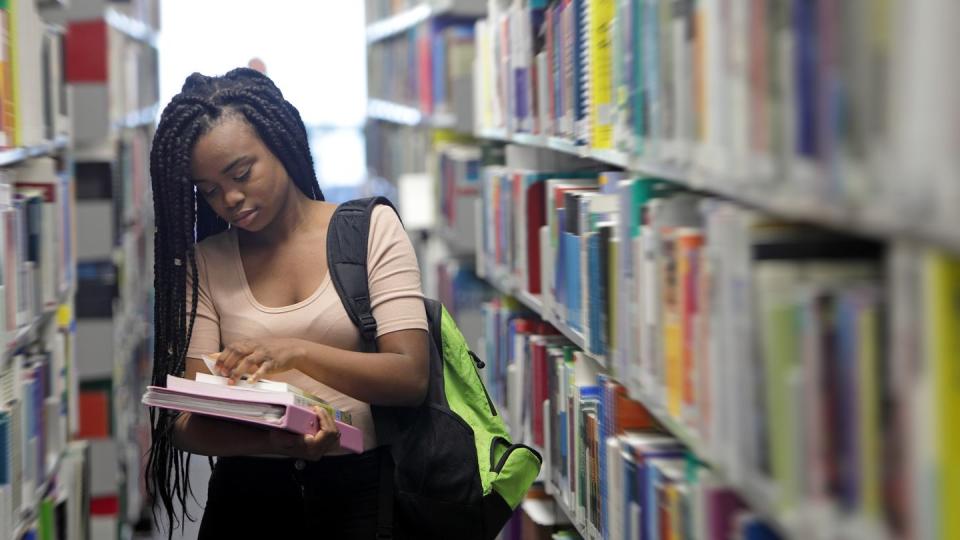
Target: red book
425, 71
94, 414
86, 57
536, 217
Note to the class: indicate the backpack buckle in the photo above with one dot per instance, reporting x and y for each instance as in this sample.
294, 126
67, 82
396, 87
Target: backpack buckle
368, 327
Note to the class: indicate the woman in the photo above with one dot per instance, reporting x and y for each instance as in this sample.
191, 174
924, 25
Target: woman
241, 270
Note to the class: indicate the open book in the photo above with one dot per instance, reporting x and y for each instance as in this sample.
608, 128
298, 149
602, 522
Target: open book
258, 403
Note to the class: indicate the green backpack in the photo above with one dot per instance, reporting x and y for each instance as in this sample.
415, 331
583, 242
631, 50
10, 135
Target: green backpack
455, 473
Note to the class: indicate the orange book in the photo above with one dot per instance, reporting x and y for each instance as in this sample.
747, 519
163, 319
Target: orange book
689, 245
94, 414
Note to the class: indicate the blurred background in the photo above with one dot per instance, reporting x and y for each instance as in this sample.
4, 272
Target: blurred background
707, 249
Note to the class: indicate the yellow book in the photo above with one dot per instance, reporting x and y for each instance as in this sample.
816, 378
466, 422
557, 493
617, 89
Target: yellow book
8, 83
943, 341
600, 15
869, 425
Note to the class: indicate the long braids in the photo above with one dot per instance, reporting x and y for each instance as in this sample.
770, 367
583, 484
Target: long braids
182, 219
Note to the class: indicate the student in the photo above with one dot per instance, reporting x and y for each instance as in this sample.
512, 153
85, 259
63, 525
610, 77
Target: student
241, 268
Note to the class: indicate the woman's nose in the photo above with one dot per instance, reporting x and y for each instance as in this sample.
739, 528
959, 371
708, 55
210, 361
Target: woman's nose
233, 198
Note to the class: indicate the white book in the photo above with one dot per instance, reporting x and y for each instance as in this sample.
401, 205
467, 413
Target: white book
613, 521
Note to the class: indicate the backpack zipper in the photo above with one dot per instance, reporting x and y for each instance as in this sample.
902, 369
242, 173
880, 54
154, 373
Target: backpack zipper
478, 363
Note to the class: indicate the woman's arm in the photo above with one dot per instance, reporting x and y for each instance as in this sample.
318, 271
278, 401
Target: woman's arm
208, 436
396, 375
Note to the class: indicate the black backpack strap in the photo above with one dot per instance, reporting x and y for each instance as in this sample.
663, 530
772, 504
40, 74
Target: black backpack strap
347, 237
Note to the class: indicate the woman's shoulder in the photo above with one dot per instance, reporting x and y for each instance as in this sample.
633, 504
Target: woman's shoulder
217, 247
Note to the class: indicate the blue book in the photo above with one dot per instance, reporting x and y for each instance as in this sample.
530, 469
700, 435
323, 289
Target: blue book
755, 529
6, 475
573, 279
806, 64
439, 69
649, 480
849, 350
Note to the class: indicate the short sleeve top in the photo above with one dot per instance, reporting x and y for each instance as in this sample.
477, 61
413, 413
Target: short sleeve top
227, 310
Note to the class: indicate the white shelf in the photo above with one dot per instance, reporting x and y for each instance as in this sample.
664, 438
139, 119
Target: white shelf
865, 219
26, 334
405, 20
405, 115
28, 517
535, 304
142, 117
543, 512
130, 27
12, 156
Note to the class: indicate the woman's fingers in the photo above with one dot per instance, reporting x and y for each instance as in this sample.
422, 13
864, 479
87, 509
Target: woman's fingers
261, 371
248, 364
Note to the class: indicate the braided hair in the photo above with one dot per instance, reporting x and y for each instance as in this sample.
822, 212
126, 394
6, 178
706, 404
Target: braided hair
183, 218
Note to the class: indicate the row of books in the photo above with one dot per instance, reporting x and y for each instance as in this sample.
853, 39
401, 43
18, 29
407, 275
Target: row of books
428, 67
36, 227
39, 413
33, 96
779, 348
816, 97
62, 510
606, 460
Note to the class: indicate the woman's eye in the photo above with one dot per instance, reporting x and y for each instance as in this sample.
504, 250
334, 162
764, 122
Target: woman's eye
210, 192
243, 176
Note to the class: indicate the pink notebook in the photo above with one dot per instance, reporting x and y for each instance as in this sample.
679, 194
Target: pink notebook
271, 409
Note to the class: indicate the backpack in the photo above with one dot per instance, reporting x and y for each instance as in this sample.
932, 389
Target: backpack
455, 472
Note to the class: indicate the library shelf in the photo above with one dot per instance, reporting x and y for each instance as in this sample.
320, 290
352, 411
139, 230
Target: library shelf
142, 117
775, 198
543, 512
793, 524
535, 304
12, 156
28, 333
131, 27
27, 518
398, 113
407, 19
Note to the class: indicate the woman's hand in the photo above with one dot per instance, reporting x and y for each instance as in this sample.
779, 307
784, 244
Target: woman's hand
258, 358
308, 447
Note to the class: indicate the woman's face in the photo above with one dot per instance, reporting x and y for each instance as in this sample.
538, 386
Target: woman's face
238, 175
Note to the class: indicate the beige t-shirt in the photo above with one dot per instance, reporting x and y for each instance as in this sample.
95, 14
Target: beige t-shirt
228, 312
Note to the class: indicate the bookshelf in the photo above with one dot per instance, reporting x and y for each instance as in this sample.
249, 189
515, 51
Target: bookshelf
779, 201
38, 397
734, 118
390, 25
396, 113
112, 67
12, 156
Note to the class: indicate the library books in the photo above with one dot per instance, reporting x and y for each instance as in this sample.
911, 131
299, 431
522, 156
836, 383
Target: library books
429, 68
262, 407
34, 431
801, 361
787, 94
609, 463
36, 231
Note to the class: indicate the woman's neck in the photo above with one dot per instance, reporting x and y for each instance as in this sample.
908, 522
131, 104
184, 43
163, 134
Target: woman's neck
296, 215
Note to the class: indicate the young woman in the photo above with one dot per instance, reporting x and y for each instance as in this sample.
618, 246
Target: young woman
241, 271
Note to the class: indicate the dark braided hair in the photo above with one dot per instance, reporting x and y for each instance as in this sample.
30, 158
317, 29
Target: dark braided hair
183, 218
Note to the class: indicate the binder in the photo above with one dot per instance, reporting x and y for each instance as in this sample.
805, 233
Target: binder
270, 409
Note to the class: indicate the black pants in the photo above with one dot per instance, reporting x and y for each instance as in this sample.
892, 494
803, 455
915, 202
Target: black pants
335, 497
